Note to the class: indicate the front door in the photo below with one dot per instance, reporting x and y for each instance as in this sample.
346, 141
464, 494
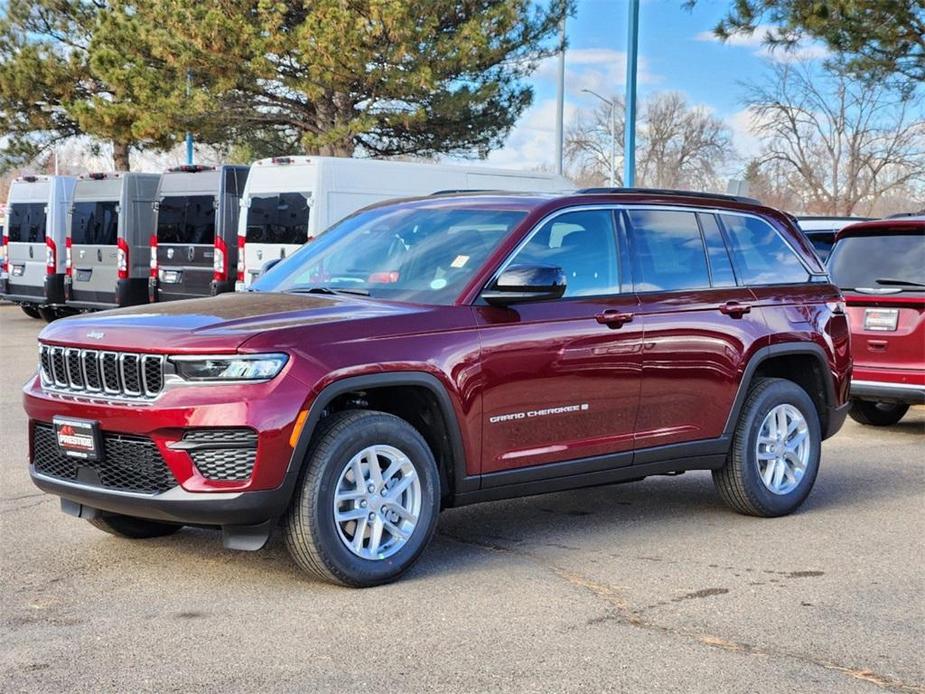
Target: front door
561, 378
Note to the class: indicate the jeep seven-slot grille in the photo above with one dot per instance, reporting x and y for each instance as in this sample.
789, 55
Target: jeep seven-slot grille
92, 372
128, 463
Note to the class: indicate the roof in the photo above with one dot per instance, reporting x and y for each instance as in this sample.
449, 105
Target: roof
899, 225
827, 223
668, 192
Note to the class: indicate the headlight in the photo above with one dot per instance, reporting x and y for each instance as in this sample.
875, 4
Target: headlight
241, 367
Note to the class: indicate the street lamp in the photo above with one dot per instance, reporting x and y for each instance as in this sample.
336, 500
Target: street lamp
613, 134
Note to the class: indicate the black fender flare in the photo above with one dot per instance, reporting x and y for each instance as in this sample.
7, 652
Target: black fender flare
769, 352
461, 482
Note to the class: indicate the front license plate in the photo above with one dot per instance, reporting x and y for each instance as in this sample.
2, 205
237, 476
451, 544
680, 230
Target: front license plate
78, 438
18, 270
884, 319
170, 276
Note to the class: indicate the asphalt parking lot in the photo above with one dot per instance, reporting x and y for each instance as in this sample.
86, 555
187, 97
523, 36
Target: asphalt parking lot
637, 587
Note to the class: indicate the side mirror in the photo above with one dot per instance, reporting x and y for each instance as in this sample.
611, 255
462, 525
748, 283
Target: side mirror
267, 266
520, 283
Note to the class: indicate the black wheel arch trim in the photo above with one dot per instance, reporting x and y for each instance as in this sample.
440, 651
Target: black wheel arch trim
461, 482
786, 349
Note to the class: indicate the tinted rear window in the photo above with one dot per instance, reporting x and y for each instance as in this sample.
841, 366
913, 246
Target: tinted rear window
94, 223
27, 222
761, 256
186, 219
279, 218
859, 261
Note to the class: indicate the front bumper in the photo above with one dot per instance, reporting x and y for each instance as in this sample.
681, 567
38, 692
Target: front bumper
884, 391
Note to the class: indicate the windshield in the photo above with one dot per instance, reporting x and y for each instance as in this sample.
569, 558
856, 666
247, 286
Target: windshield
417, 255
186, 219
94, 223
27, 222
281, 218
859, 261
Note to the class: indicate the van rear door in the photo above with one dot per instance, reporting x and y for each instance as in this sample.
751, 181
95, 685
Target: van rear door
94, 235
185, 245
27, 226
277, 224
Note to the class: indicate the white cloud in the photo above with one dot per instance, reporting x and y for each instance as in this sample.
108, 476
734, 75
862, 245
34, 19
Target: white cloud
599, 69
757, 42
532, 142
744, 138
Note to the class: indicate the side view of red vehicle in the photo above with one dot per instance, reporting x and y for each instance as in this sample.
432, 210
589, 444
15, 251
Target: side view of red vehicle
880, 268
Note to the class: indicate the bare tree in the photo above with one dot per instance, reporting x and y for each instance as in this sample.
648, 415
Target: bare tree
678, 146
842, 143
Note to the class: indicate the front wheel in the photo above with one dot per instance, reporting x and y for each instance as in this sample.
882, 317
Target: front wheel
367, 501
878, 414
30, 310
775, 452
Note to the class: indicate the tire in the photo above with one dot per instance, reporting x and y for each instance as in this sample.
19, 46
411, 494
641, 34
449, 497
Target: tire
319, 544
740, 481
131, 527
31, 311
877, 414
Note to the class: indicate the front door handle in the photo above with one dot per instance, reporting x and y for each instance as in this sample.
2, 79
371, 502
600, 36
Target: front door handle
613, 319
735, 309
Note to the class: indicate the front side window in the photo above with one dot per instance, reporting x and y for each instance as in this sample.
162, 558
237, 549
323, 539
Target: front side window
281, 218
94, 223
879, 261
421, 255
760, 255
27, 222
668, 251
583, 245
186, 219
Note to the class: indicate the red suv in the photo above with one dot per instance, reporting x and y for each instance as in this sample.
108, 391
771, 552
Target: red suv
880, 266
447, 350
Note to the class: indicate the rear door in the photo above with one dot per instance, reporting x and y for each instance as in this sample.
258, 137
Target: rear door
94, 234
28, 222
185, 244
699, 326
883, 278
276, 226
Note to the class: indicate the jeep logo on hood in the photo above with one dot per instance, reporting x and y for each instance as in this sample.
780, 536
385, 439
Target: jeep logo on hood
96, 335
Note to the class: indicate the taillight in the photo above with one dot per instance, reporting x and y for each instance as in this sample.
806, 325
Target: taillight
153, 245
68, 257
241, 268
51, 257
122, 259
219, 270
6, 253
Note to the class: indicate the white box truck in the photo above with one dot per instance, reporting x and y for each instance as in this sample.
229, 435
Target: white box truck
289, 200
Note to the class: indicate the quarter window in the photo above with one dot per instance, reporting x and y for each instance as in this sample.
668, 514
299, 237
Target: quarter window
584, 245
761, 256
721, 274
668, 251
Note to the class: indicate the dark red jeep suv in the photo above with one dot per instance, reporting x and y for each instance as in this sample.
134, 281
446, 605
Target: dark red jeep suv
447, 350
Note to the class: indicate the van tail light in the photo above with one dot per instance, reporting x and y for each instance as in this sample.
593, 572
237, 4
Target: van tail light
153, 245
6, 253
122, 259
219, 266
68, 257
241, 268
51, 257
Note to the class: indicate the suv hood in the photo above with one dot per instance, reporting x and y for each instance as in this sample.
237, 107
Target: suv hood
217, 325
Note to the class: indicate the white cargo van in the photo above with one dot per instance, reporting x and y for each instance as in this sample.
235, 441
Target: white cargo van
288, 200
36, 231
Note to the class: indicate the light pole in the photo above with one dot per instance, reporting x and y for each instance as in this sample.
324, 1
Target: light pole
613, 134
560, 99
629, 122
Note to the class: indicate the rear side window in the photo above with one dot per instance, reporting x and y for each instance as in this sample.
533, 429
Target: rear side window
94, 223
27, 222
895, 261
761, 256
279, 218
584, 245
668, 251
721, 274
186, 219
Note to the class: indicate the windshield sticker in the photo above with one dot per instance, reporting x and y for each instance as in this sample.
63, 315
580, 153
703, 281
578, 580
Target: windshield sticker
438, 284
459, 261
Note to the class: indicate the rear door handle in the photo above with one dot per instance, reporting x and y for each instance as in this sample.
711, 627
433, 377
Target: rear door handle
735, 309
613, 319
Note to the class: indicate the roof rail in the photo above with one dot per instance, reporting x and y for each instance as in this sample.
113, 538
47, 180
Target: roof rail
669, 192
900, 215
452, 191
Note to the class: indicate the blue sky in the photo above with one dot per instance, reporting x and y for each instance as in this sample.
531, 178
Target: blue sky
677, 53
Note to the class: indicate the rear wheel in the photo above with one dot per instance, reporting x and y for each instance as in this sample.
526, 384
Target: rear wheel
29, 310
878, 414
131, 527
367, 501
775, 451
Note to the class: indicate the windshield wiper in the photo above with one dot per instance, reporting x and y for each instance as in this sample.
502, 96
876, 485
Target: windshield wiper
889, 282
328, 290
